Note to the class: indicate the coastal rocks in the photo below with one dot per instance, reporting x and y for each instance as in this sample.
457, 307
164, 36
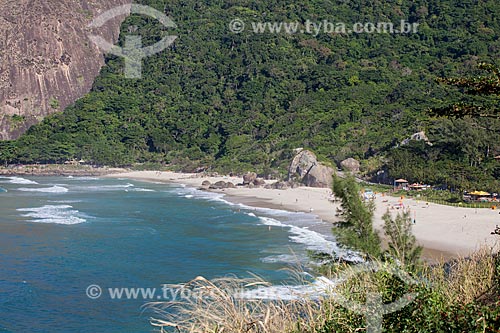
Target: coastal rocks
206, 184
302, 164
249, 178
259, 182
58, 170
306, 169
280, 185
351, 165
319, 176
220, 185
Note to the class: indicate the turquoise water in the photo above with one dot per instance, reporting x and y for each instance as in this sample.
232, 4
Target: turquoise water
59, 235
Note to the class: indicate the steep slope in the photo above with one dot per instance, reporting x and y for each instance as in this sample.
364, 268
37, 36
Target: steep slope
46, 58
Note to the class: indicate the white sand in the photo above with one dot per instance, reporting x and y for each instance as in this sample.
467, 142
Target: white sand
443, 231
455, 230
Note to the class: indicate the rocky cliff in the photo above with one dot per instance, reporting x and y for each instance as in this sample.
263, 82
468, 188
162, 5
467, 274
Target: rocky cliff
46, 58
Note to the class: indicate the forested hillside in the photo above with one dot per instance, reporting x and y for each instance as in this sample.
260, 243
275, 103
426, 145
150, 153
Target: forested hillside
235, 102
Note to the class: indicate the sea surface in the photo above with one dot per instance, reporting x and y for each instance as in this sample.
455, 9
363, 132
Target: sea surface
60, 235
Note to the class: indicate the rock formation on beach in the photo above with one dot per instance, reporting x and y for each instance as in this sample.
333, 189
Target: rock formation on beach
306, 169
47, 60
249, 178
351, 165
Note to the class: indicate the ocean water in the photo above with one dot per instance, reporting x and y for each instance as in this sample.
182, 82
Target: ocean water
59, 235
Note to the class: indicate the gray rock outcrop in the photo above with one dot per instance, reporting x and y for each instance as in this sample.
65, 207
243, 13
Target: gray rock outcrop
351, 165
249, 178
419, 136
259, 182
218, 185
306, 169
319, 176
47, 60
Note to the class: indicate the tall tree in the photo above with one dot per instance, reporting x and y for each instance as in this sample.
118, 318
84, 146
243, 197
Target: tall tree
486, 86
356, 229
402, 243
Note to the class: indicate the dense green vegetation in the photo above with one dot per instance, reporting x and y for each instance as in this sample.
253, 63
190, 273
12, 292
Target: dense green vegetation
234, 102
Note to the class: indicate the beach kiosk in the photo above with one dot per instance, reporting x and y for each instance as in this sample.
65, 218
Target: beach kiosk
479, 195
400, 184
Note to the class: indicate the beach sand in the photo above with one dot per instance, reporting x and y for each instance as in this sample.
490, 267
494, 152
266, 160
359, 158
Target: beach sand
444, 231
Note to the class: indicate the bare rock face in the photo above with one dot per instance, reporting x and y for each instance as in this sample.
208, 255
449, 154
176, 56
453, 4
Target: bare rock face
319, 176
206, 184
419, 136
47, 60
305, 168
218, 185
249, 178
259, 182
351, 165
301, 164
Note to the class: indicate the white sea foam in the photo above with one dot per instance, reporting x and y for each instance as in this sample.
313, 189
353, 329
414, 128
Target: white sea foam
138, 189
83, 178
284, 258
320, 287
64, 201
103, 188
192, 193
58, 214
297, 224
313, 240
19, 180
53, 189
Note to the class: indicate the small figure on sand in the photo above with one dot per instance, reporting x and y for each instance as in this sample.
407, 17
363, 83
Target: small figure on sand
496, 231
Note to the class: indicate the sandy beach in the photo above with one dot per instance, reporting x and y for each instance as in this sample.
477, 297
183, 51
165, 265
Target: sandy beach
444, 231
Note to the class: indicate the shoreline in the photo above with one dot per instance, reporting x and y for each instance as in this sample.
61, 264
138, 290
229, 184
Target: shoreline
440, 230
55, 170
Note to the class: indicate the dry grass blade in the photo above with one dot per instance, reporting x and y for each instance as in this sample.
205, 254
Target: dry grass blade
218, 306
467, 278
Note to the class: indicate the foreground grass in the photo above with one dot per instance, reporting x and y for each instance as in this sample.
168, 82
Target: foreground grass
459, 296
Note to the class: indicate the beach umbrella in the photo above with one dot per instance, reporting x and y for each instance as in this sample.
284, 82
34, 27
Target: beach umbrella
479, 193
